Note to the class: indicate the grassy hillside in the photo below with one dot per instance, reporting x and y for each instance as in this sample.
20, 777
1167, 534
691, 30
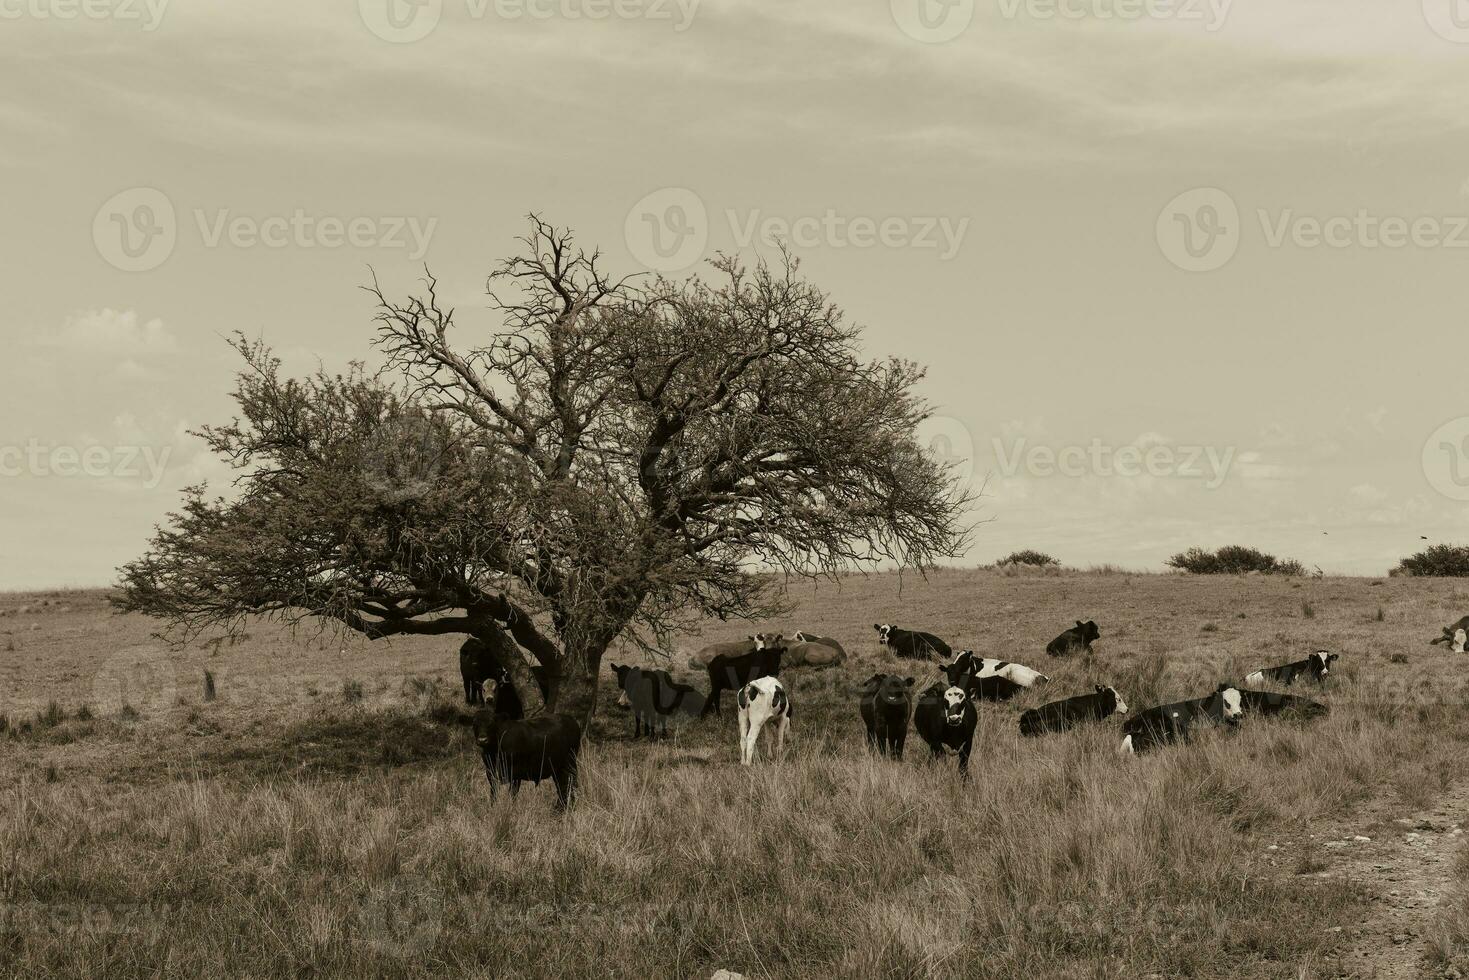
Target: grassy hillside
325, 814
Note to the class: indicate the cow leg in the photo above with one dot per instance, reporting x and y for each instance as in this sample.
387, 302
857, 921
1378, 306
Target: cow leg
780, 736
964, 759
565, 785
490, 778
711, 703
873, 742
898, 746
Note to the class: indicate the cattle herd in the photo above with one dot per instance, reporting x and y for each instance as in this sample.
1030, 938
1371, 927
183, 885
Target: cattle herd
945, 713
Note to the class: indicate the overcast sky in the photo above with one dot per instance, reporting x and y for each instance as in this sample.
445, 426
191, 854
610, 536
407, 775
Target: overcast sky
1182, 274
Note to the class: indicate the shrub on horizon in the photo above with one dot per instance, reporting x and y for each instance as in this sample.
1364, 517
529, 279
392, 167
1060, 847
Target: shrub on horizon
1443, 560
1233, 560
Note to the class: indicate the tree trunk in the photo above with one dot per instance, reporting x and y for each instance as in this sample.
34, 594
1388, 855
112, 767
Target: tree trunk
508, 655
577, 694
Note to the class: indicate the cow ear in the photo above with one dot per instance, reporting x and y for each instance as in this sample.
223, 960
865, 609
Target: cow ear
1100, 689
907, 682
1080, 623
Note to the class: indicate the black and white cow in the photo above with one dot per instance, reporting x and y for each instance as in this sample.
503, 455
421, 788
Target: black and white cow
913, 644
1059, 716
1316, 667
885, 705
945, 719
966, 664
1455, 636
728, 673
1267, 703
1178, 721
1078, 638
762, 701
543, 747
655, 698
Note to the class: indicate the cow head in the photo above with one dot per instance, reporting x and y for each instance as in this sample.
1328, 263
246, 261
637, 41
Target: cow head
768, 641
1231, 705
1119, 706
889, 688
1088, 630
1321, 662
954, 703
1460, 638
622, 670
882, 632
963, 666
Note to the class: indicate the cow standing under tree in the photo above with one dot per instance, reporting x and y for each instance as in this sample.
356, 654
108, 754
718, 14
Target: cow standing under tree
605, 465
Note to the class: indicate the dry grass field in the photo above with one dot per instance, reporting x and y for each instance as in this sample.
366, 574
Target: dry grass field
325, 813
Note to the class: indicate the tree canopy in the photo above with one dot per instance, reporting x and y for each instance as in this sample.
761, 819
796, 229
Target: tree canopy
614, 461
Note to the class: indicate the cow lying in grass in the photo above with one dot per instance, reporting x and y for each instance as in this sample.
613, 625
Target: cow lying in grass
1316, 667
913, 644
945, 719
1060, 716
1078, 639
543, 747
1268, 703
762, 701
1454, 637
966, 664
1177, 722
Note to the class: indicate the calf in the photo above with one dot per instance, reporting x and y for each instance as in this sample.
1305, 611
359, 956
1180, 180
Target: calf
912, 644
885, 705
966, 664
543, 747
945, 719
1177, 722
1269, 703
655, 697
762, 700
1059, 716
1077, 638
478, 666
1317, 666
728, 673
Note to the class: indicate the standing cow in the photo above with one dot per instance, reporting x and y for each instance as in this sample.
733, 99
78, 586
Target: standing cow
728, 673
762, 701
655, 698
543, 747
945, 718
885, 705
477, 667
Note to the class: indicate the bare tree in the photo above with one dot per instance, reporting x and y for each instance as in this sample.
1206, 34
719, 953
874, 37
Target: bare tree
613, 462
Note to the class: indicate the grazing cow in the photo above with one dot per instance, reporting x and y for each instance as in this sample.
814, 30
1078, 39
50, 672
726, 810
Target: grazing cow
945, 719
1059, 716
728, 673
1176, 722
1079, 638
1269, 703
885, 705
804, 637
543, 747
1316, 667
762, 700
477, 666
655, 697
966, 664
912, 644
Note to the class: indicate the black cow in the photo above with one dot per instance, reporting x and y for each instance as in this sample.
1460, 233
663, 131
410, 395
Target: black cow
1078, 638
728, 673
912, 644
1269, 703
1058, 716
1176, 722
991, 688
886, 704
477, 665
945, 719
543, 747
1317, 666
655, 697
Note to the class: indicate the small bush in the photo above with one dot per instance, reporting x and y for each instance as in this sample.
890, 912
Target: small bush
1444, 560
1039, 559
1233, 560
84, 713
208, 685
1308, 610
1381, 615
352, 692
51, 717
1209, 628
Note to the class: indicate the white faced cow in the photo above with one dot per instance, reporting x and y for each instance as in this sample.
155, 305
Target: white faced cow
762, 700
965, 663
